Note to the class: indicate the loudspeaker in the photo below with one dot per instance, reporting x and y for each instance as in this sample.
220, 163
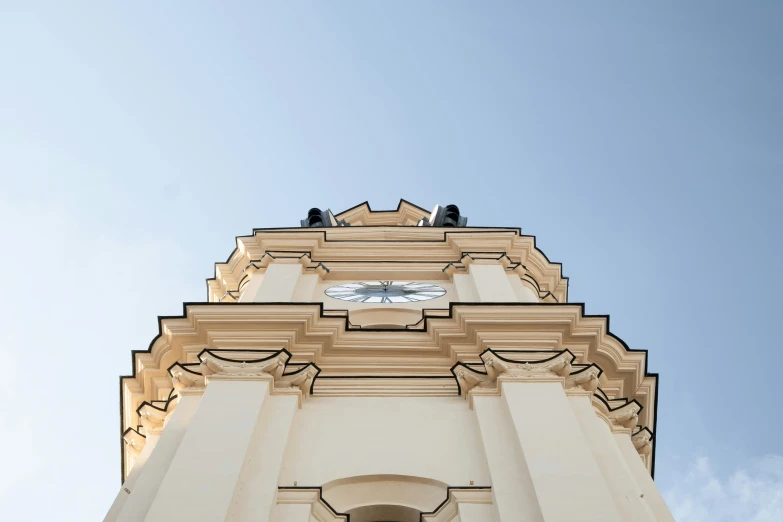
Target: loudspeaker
447, 216
321, 218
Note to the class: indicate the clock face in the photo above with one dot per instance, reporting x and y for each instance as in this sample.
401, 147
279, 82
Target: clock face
385, 292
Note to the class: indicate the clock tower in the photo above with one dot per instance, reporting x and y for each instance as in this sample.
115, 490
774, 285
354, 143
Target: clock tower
387, 366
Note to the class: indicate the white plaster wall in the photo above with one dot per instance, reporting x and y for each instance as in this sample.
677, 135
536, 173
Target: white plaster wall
292, 513
475, 513
338, 437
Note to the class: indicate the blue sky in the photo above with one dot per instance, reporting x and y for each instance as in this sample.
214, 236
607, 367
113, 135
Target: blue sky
642, 143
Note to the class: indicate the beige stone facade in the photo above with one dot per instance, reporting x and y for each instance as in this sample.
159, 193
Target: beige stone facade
445, 377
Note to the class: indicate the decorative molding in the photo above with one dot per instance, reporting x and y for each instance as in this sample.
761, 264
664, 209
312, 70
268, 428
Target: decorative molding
151, 417
585, 379
496, 366
241, 365
621, 414
626, 416
213, 366
497, 369
134, 441
184, 379
370, 246
642, 441
313, 334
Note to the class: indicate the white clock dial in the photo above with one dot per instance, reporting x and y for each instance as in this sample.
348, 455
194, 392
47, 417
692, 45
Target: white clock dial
385, 292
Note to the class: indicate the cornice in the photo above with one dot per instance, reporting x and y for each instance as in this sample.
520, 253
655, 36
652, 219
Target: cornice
358, 360
438, 342
423, 252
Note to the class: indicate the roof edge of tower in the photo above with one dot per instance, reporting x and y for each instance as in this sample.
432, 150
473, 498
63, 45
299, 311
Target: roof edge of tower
406, 214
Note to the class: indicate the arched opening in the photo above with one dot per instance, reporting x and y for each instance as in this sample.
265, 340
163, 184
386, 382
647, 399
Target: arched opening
402, 495
385, 513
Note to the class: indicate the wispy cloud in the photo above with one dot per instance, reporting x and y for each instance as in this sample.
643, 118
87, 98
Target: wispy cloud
753, 493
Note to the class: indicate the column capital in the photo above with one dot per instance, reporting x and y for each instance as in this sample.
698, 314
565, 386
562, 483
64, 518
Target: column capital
134, 440
153, 414
217, 366
320, 509
621, 414
186, 381
499, 367
584, 380
642, 441
273, 366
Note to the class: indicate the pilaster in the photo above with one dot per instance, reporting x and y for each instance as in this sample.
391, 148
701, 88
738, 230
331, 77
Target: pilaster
140, 488
218, 459
278, 278
543, 438
627, 496
513, 490
633, 450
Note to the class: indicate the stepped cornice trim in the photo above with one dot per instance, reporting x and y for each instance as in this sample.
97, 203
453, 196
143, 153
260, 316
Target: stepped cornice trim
134, 440
312, 335
420, 250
